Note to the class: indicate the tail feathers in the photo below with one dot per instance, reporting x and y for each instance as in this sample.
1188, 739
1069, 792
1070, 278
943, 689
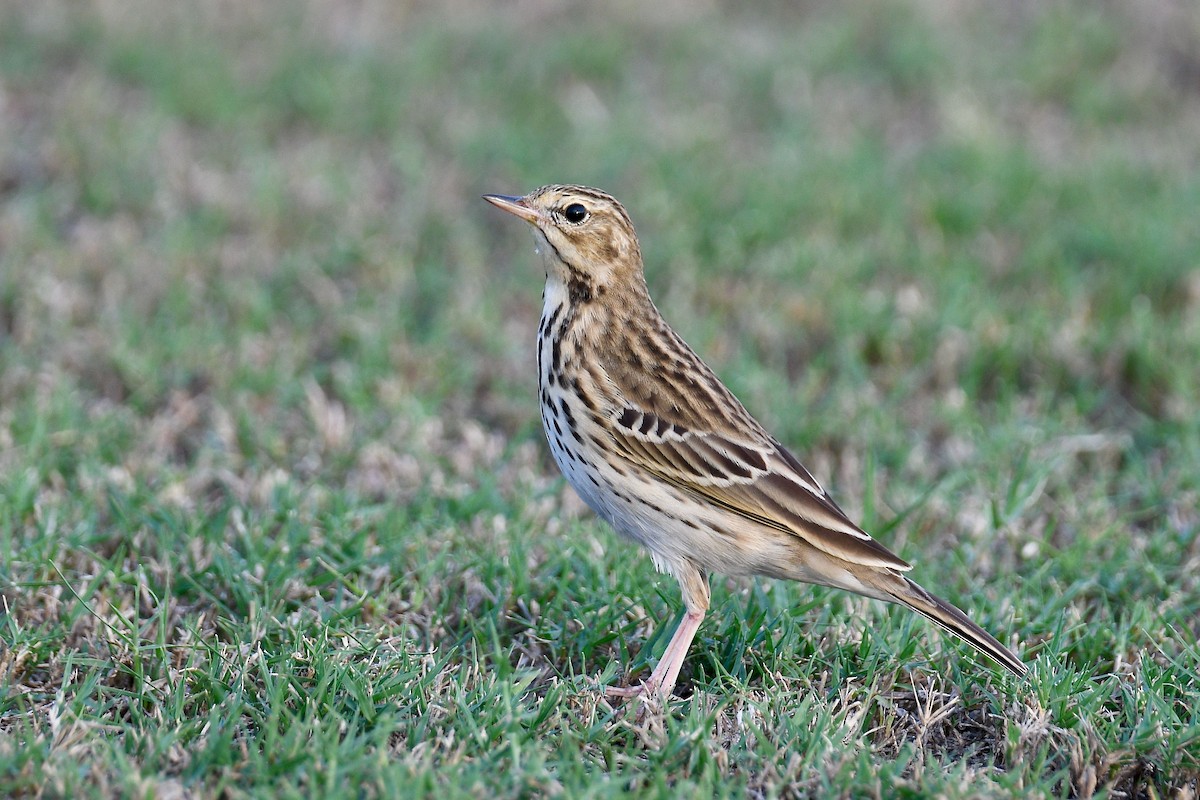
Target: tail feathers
955, 621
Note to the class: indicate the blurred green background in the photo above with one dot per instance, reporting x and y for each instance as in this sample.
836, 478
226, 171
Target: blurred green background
275, 515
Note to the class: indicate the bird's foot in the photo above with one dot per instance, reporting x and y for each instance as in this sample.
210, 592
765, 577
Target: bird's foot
638, 690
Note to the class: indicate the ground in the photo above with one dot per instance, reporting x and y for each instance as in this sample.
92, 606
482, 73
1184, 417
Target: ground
275, 512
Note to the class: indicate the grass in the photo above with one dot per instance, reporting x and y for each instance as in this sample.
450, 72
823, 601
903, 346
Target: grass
275, 516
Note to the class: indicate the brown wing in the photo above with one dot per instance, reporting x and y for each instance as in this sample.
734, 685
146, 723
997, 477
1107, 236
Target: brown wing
748, 473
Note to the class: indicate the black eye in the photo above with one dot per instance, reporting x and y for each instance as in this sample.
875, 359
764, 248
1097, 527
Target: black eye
575, 212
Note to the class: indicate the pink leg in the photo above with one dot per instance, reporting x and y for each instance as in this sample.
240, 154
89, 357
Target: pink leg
662, 680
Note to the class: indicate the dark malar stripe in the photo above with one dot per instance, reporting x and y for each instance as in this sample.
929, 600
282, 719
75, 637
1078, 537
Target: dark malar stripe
579, 289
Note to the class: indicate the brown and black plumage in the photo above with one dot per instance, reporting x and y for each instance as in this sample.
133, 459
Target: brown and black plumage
657, 446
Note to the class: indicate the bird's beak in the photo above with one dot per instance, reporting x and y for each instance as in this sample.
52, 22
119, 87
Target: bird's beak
514, 205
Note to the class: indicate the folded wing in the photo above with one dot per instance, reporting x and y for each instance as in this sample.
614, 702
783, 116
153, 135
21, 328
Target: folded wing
754, 477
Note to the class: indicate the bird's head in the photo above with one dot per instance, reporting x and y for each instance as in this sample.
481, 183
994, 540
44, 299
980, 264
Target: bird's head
584, 236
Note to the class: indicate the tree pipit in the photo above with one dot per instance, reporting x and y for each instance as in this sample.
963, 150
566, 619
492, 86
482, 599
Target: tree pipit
658, 447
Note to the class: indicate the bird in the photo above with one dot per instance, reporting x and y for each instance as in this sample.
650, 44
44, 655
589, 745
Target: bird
657, 446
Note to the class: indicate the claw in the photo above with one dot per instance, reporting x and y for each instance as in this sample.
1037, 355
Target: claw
631, 691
